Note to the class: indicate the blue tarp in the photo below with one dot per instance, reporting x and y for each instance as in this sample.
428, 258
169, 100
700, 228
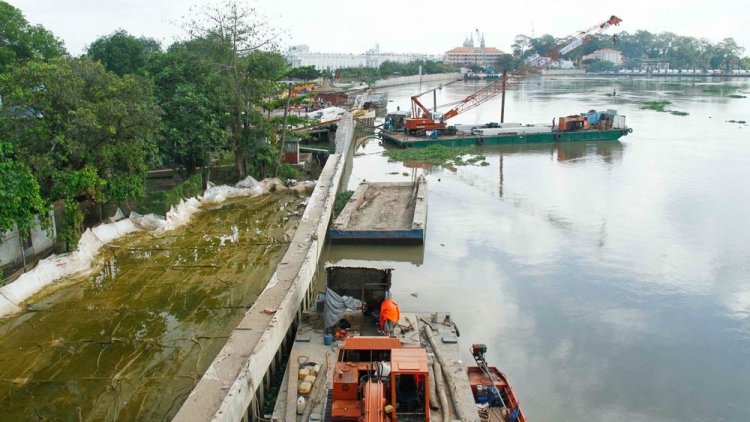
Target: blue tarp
593, 117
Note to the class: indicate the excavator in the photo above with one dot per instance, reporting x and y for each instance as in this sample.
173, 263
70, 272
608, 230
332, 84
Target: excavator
423, 119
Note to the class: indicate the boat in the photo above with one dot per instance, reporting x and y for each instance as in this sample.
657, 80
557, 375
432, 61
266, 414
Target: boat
589, 126
492, 392
357, 369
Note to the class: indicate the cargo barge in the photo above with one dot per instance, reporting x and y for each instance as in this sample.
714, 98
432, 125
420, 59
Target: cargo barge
590, 126
384, 212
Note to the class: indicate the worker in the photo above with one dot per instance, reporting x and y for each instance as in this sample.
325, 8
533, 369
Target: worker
389, 316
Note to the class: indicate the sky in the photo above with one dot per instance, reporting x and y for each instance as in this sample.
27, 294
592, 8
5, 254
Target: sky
398, 26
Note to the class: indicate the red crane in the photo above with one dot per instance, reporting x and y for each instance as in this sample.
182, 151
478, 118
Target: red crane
422, 119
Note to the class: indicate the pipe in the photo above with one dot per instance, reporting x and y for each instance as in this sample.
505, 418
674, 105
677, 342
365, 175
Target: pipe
434, 405
440, 385
451, 384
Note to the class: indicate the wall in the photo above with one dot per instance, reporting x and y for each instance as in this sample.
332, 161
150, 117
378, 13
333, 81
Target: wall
415, 79
227, 389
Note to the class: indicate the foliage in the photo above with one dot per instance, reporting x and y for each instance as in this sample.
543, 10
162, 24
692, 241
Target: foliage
340, 203
657, 105
306, 73
20, 41
288, 172
20, 201
736, 96
191, 187
241, 50
437, 155
598, 66
193, 124
123, 53
92, 136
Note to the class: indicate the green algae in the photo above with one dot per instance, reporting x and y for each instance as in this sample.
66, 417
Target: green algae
130, 341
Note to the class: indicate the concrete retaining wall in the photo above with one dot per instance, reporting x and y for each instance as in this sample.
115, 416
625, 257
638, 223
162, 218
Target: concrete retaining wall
227, 389
415, 79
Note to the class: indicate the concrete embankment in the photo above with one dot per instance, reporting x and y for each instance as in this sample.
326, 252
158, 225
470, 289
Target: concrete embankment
415, 79
231, 387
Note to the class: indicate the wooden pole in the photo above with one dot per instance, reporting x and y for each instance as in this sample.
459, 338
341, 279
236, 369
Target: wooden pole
283, 130
502, 106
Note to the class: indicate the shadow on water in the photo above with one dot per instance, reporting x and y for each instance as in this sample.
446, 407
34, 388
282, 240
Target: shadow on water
131, 341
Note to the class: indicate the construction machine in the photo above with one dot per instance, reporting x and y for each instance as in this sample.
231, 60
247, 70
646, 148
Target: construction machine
422, 119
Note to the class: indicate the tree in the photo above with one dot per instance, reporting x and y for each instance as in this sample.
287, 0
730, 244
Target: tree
306, 73
123, 53
241, 48
20, 41
186, 89
20, 200
93, 135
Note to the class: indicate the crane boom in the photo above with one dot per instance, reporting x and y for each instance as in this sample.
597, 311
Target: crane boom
569, 44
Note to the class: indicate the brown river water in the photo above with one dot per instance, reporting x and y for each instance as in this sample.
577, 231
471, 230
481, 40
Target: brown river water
610, 281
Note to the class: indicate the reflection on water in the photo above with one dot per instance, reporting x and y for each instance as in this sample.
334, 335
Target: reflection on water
609, 280
130, 342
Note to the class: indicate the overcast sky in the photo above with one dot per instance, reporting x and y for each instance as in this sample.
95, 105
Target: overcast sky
401, 26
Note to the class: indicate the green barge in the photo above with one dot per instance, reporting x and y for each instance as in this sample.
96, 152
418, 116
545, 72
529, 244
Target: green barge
586, 127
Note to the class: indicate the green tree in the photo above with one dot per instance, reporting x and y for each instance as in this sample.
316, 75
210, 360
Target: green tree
242, 51
20, 200
123, 53
20, 41
306, 73
93, 135
193, 124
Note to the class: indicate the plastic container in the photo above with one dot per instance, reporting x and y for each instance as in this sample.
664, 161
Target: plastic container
327, 339
310, 379
300, 405
304, 387
315, 370
303, 372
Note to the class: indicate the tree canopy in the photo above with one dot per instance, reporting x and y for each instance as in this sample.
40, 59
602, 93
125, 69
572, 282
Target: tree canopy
20, 41
90, 135
123, 53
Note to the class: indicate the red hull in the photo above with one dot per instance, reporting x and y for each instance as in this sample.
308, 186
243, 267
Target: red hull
477, 378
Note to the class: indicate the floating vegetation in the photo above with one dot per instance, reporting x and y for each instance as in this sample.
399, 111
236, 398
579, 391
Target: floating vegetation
742, 122
660, 105
655, 105
718, 89
437, 155
736, 96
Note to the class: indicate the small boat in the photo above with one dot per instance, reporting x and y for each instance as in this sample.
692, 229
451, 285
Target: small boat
492, 392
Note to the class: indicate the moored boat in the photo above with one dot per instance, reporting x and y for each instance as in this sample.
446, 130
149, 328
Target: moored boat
368, 371
590, 126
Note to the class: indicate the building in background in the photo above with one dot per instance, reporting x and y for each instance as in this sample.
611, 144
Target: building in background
606, 54
300, 55
468, 54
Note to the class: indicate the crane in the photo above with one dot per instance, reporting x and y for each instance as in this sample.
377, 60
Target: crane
422, 119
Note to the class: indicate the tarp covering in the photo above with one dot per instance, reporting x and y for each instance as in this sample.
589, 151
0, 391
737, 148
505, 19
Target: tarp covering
336, 305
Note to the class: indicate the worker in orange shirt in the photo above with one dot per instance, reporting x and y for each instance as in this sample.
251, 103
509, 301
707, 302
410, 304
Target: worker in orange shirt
389, 316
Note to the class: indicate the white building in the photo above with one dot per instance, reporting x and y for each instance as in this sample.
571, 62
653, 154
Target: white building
606, 54
300, 55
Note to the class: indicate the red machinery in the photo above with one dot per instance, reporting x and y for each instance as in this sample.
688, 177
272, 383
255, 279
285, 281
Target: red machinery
376, 378
423, 119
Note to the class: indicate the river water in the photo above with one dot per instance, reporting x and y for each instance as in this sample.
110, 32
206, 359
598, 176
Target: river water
609, 280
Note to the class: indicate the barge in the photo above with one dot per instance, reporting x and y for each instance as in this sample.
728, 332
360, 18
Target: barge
384, 212
345, 365
590, 126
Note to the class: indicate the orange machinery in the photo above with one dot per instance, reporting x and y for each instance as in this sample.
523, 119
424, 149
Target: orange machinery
298, 88
571, 123
375, 378
422, 118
